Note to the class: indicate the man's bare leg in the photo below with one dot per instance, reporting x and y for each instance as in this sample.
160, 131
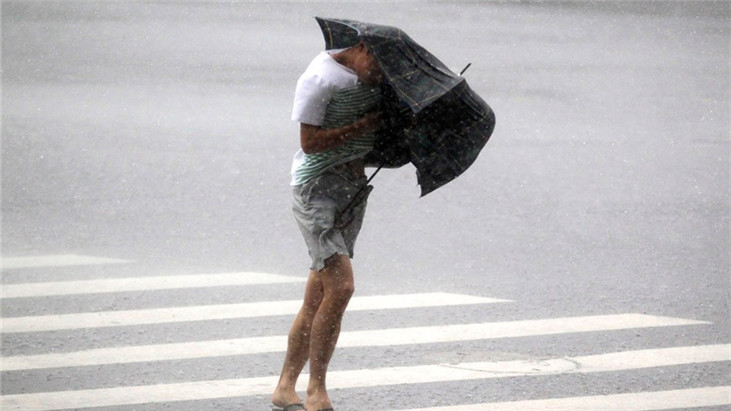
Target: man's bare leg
338, 286
298, 343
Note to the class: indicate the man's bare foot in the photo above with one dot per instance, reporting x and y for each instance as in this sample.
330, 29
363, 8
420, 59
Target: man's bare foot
282, 398
317, 401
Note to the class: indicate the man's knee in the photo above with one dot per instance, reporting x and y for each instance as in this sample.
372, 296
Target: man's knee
340, 290
346, 290
338, 282
338, 299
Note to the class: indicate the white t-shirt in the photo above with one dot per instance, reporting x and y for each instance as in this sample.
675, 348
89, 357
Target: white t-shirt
326, 81
316, 86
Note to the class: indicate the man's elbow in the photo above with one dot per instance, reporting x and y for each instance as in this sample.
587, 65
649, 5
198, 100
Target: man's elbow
309, 138
308, 147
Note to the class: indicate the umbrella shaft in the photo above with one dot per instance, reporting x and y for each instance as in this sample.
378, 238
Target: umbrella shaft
357, 195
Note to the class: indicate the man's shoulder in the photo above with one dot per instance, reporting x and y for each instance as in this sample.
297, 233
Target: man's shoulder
325, 70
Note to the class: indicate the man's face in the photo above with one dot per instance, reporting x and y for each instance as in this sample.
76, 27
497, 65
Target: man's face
366, 67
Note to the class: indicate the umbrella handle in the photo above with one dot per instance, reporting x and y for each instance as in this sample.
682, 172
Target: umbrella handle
351, 204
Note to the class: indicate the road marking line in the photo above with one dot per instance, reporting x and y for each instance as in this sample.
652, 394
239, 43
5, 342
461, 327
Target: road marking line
640, 401
116, 285
224, 311
200, 390
386, 337
61, 260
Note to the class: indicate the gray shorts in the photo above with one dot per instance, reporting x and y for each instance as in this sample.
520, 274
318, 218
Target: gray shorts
320, 210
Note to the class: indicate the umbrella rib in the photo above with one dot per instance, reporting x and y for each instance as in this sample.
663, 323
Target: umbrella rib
422, 103
330, 33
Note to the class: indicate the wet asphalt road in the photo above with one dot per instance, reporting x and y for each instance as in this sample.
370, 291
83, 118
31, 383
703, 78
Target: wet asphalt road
159, 132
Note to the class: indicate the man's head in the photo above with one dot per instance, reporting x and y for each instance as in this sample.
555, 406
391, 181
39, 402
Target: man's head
364, 64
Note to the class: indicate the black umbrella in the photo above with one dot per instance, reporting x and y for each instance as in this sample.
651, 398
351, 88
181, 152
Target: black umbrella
432, 118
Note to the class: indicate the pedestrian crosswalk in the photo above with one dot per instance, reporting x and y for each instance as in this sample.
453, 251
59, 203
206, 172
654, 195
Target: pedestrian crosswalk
118, 285
153, 394
390, 337
643, 401
60, 260
223, 311
162, 393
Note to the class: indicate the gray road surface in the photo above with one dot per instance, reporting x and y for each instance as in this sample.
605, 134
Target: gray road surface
159, 133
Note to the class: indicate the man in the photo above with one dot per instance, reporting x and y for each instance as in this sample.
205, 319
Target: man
336, 103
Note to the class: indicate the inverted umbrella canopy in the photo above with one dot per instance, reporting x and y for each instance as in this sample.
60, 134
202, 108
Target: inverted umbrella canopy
417, 77
433, 119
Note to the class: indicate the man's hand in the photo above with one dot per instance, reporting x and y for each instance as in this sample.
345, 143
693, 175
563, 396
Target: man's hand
370, 122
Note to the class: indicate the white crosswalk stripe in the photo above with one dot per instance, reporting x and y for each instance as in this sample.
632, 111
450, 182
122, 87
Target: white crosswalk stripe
61, 260
118, 285
361, 378
225, 311
636, 401
398, 336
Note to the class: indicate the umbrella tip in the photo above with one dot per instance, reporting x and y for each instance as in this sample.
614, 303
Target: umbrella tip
465, 68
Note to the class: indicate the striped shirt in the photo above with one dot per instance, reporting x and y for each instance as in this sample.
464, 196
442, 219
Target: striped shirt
329, 95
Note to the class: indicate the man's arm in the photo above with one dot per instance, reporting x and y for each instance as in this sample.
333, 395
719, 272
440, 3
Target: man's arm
315, 139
